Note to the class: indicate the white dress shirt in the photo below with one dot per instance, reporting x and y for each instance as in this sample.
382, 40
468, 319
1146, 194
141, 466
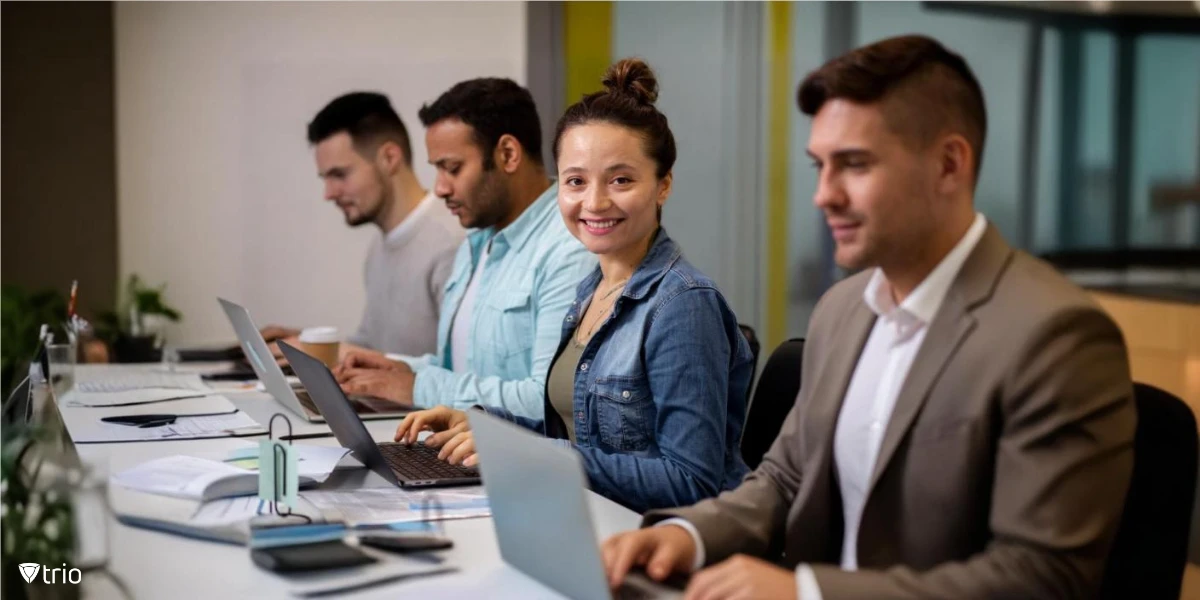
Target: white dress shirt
878, 376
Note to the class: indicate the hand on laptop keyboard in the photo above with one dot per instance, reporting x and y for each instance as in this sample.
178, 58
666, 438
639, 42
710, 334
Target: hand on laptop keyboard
420, 462
368, 373
452, 434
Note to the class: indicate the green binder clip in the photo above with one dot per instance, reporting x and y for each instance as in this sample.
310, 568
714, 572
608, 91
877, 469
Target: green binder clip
279, 472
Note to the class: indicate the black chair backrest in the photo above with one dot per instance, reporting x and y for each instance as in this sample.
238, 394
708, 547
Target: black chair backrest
752, 340
1150, 549
773, 399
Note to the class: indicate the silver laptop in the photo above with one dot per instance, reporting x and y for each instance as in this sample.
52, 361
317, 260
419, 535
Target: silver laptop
258, 354
536, 491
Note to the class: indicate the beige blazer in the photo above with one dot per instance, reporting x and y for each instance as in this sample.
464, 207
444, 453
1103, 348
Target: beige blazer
1003, 470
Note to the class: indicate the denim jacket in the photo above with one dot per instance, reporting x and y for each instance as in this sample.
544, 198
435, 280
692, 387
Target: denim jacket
660, 391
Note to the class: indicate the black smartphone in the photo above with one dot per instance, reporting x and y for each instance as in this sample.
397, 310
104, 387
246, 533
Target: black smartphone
319, 556
406, 543
239, 375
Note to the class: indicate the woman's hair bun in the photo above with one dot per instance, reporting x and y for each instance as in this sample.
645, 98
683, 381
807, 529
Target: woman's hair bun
632, 77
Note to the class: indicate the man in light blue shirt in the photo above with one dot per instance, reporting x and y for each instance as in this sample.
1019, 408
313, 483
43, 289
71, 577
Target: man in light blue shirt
513, 278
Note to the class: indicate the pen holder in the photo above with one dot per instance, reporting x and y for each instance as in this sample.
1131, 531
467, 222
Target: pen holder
61, 360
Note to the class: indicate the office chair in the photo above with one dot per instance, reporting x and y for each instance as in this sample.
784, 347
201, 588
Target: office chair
752, 340
1148, 555
773, 399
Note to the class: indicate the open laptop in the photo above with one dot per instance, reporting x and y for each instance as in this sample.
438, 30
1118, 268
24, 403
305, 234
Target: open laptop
401, 464
539, 508
273, 378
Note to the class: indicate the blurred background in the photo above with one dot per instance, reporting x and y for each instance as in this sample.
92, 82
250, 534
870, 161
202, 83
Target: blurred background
166, 140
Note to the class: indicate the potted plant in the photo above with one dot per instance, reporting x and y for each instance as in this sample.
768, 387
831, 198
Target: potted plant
134, 331
38, 524
23, 314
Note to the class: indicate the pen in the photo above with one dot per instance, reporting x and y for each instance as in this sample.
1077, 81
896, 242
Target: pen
71, 304
155, 420
305, 436
155, 401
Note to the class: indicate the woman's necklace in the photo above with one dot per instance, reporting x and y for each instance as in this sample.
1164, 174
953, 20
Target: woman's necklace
601, 313
616, 286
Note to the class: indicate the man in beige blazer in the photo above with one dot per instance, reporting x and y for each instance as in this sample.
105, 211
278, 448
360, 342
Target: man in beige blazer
965, 427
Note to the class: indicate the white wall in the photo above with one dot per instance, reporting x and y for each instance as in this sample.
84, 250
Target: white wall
217, 193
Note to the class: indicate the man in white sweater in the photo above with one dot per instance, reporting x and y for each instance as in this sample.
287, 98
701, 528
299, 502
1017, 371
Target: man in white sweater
364, 157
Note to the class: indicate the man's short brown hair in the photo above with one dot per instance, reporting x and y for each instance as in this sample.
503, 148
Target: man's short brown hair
933, 89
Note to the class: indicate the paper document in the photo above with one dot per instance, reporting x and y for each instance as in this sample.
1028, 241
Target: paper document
391, 505
91, 382
179, 476
238, 423
316, 462
130, 397
87, 426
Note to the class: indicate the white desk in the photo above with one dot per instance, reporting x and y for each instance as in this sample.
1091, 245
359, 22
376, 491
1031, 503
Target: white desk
259, 405
160, 565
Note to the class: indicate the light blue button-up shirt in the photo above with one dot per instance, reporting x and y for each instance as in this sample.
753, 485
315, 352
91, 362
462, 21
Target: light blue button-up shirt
524, 291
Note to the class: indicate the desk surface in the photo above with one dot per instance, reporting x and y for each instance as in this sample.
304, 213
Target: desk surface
155, 564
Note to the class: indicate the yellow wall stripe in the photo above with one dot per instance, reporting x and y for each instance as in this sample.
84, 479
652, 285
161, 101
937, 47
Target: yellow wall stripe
587, 43
779, 111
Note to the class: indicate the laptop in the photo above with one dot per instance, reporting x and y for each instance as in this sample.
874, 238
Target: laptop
540, 511
274, 379
415, 466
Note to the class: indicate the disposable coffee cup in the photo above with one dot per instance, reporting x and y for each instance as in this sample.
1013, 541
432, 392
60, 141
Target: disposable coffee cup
322, 344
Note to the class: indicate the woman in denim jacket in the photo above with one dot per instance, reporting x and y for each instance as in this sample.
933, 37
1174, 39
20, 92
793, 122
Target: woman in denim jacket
650, 380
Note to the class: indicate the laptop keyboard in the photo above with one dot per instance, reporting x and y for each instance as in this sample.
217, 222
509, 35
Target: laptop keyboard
421, 462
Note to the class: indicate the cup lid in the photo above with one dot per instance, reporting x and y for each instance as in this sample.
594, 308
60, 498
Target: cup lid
319, 335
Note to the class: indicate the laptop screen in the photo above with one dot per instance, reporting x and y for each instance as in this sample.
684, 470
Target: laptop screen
325, 392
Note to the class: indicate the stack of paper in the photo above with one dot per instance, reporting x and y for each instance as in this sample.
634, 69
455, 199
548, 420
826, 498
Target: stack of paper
204, 479
129, 389
129, 398
106, 382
